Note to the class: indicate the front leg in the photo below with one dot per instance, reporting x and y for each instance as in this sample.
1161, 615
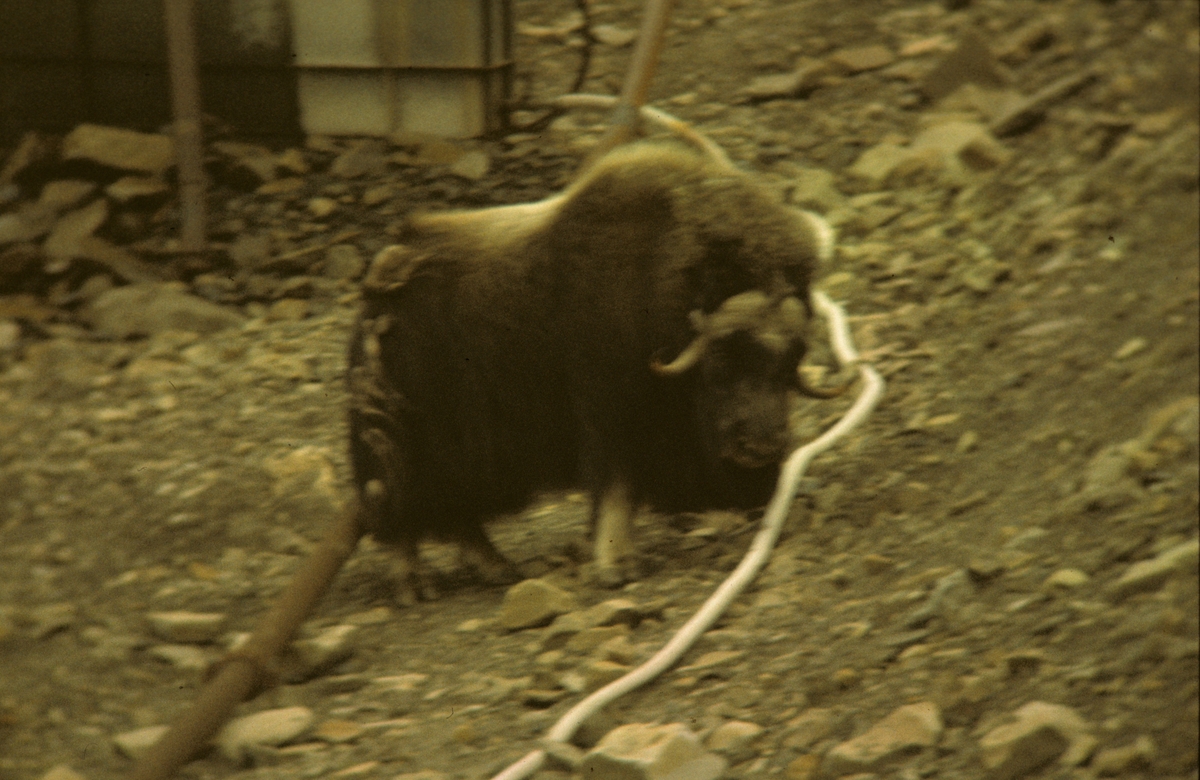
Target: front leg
612, 528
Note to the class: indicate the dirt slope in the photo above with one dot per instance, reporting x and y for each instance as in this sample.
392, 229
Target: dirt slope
1029, 289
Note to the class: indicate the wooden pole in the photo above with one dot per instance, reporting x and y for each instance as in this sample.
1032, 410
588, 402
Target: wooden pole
185, 103
624, 121
248, 670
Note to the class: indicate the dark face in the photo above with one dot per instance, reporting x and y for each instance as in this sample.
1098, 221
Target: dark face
743, 395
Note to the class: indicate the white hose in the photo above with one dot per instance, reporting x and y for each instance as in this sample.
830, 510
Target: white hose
755, 558
659, 118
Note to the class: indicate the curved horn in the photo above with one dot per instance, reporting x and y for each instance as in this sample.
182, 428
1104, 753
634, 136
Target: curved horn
821, 392
686, 359
691, 353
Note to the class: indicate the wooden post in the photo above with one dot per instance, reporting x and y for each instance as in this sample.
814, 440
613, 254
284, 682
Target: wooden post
185, 103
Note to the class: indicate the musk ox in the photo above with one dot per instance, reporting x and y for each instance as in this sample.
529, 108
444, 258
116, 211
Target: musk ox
638, 334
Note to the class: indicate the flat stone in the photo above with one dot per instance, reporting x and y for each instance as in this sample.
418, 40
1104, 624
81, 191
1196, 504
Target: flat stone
814, 188
134, 744
798, 83
184, 657
903, 731
971, 61
1067, 579
367, 156
270, 727
641, 751
65, 193
28, 223
284, 186
343, 261
62, 772
1112, 762
989, 102
288, 310
117, 147
589, 639
49, 619
331, 646
338, 731
132, 188
967, 142
597, 673
293, 161
10, 335
877, 163
250, 250
473, 165
31, 148
437, 151
381, 193
66, 239
862, 58
712, 660
613, 612
1024, 115
612, 35
181, 626
733, 736
1040, 733
322, 207
1149, 575
256, 163
149, 308
534, 603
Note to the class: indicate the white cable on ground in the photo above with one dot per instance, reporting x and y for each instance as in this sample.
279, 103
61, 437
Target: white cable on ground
660, 118
755, 558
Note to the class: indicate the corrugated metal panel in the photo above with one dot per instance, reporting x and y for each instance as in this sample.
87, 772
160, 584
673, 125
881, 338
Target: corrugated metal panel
379, 67
63, 62
372, 67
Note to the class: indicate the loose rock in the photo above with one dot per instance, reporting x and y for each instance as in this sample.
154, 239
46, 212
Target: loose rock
534, 603
1041, 733
183, 626
65, 193
1149, 575
66, 239
640, 751
363, 157
320, 653
971, 61
149, 308
134, 744
119, 148
137, 188
1112, 762
908, 727
250, 164
862, 58
270, 727
473, 165
62, 772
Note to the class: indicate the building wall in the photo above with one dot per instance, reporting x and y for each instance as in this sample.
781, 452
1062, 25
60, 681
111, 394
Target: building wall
63, 62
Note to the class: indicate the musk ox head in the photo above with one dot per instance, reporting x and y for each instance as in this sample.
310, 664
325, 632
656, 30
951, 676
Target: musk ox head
744, 360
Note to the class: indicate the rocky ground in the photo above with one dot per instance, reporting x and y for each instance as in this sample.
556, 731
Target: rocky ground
995, 577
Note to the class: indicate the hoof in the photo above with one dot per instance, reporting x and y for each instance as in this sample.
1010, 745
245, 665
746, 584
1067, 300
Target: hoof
611, 577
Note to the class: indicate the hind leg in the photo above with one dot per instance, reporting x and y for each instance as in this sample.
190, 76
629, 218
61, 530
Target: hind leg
612, 527
477, 552
413, 580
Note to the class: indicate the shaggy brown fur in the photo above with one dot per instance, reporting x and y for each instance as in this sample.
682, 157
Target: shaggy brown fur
508, 350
